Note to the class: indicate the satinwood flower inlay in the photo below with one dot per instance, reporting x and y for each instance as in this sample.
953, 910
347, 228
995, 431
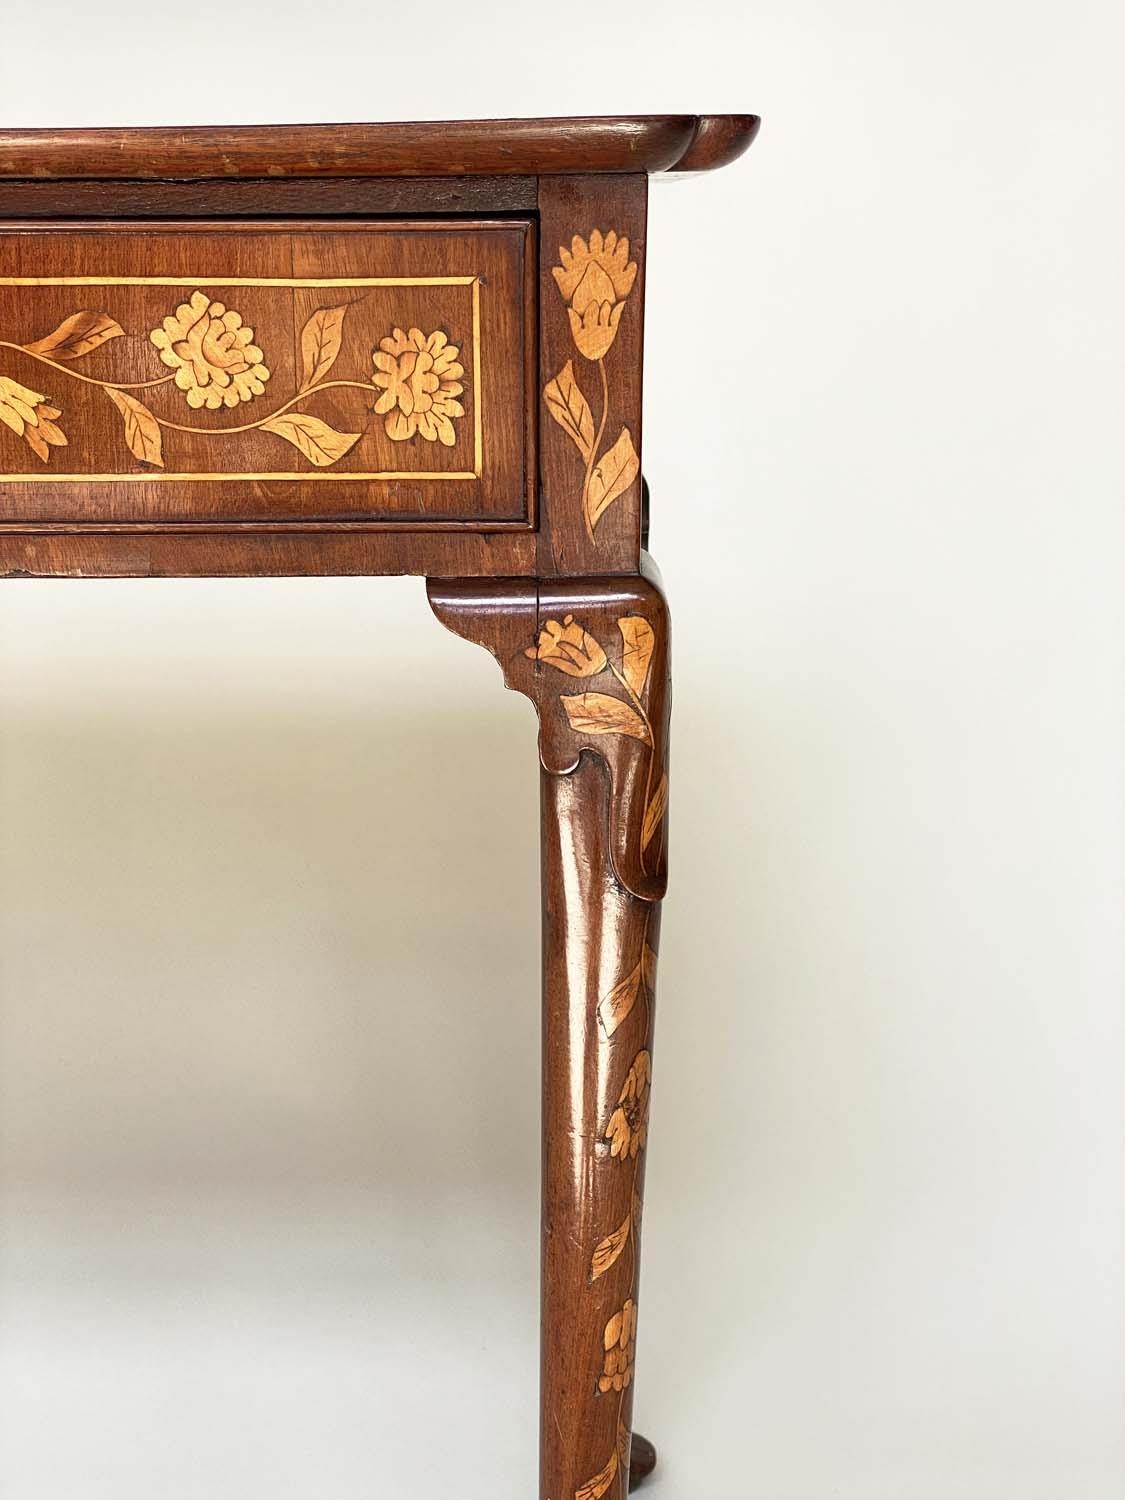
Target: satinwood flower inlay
420, 377
627, 1130
217, 365
595, 276
30, 416
213, 353
570, 648
615, 701
595, 279
620, 1341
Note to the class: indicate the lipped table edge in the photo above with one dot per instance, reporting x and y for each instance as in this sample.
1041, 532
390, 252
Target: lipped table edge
449, 148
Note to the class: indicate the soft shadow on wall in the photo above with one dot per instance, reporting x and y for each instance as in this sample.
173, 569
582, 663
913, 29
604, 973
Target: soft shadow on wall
269, 1041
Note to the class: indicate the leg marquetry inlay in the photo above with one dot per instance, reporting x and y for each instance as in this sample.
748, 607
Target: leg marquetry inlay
592, 655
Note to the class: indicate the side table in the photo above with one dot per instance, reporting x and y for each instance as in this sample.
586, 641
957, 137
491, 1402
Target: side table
385, 349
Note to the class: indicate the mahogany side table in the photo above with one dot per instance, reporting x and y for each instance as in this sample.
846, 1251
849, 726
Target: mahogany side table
383, 349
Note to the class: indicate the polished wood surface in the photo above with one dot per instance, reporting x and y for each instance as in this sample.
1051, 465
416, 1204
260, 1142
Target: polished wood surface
255, 197
390, 349
718, 141
268, 374
574, 507
450, 148
548, 217
592, 655
642, 1460
591, 235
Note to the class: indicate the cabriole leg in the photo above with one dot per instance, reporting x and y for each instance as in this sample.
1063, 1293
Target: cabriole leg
592, 654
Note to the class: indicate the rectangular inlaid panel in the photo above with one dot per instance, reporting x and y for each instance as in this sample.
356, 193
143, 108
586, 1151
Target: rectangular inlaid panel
272, 375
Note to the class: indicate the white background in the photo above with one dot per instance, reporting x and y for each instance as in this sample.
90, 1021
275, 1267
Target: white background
268, 906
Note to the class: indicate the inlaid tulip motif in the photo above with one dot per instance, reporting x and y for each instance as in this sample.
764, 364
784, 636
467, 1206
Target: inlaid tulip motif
569, 647
594, 277
627, 1130
620, 1347
31, 417
611, 697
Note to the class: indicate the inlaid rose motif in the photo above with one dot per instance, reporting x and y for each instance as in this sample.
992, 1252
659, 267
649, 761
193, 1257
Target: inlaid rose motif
620, 1347
420, 377
30, 416
569, 648
627, 1130
212, 352
216, 364
595, 279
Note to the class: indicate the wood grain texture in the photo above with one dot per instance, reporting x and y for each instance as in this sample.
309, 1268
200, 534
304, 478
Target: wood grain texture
250, 292
266, 374
562, 438
592, 655
643, 143
642, 1461
718, 140
583, 292
232, 553
262, 197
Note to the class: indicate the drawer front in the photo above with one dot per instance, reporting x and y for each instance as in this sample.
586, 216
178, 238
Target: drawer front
270, 376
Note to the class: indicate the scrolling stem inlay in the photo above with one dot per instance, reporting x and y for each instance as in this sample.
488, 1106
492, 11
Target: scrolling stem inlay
415, 386
594, 278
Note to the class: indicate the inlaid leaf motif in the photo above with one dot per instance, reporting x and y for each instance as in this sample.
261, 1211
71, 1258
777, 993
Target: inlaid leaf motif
322, 445
320, 344
615, 1007
595, 1488
571, 410
609, 1251
77, 335
598, 713
612, 476
657, 807
640, 640
142, 430
648, 964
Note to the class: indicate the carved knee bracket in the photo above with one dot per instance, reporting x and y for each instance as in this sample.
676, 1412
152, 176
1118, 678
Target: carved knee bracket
592, 655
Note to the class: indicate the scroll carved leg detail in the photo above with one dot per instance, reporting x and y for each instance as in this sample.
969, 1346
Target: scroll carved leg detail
592, 655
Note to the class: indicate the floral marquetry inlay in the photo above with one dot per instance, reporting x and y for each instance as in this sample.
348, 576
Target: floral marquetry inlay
627, 1130
30, 417
593, 657
212, 352
569, 647
420, 378
595, 277
185, 367
217, 365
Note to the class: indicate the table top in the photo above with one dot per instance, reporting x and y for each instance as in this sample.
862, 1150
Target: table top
454, 148
310, 349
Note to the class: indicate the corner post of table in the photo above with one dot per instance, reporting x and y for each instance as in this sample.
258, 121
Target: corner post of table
593, 251
586, 640
592, 655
